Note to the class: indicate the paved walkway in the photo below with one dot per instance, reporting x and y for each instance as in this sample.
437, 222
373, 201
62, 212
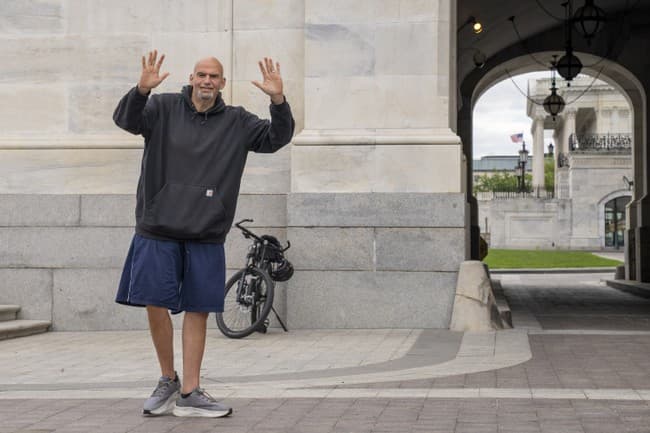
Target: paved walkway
578, 360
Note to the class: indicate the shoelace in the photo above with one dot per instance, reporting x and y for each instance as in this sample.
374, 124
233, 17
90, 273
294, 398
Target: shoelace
205, 396
161, 388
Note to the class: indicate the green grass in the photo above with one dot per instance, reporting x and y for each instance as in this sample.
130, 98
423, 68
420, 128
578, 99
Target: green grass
517, 259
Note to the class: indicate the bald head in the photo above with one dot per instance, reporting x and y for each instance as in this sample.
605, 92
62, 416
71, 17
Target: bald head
209, 62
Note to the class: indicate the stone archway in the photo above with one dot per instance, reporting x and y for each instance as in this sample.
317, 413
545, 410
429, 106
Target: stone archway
623, 69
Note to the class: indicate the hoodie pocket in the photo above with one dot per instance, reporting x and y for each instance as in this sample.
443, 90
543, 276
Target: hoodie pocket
184, 211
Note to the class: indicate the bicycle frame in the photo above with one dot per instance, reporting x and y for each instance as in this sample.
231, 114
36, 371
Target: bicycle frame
252, 289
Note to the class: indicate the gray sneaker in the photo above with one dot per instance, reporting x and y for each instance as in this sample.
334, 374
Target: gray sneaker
200, 403
163, 398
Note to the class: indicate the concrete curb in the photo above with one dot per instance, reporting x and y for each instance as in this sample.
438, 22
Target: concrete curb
553, 271
633, 287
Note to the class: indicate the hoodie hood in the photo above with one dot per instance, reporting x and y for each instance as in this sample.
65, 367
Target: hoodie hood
218, 106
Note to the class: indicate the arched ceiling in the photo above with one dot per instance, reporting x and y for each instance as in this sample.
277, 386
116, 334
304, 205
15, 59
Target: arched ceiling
530, 20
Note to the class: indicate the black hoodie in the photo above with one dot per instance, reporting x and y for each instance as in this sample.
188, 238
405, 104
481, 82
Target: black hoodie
193, 162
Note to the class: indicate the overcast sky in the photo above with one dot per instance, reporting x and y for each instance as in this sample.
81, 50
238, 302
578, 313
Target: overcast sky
501, 112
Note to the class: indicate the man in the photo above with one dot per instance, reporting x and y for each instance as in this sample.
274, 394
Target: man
194, 156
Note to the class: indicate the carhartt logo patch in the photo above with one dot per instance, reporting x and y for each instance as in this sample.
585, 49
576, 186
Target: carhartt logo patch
209, 192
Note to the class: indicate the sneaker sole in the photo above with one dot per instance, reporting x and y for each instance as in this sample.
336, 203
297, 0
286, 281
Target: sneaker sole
193, 411
165, 409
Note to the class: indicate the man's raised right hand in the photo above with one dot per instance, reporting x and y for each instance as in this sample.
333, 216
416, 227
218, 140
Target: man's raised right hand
150, 77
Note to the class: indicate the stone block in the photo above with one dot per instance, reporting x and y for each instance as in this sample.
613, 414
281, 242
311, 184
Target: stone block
69, 171
108, 210
376, 210
73, 58
28, 17
420, 249
413, 102
407, 49
351, 299
263, 14
353, 45
147, 16
333, 168
267, 173
39, 210
59, 247
285, 46
436, 168
29, 288
332, 248
266, 210
344, 11
90, 106
475, 307
19, 113
84, 300
422, 10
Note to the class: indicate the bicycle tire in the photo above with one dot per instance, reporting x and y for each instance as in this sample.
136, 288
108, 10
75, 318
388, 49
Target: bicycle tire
239, 319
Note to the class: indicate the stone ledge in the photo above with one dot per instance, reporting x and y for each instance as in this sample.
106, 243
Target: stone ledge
22, 328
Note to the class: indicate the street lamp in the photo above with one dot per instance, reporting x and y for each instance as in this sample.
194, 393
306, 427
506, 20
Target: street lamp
523, 159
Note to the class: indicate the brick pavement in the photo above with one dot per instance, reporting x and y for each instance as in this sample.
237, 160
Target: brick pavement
584, 373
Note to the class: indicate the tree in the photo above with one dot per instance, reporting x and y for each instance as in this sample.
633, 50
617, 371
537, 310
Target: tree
502, 181
549, 173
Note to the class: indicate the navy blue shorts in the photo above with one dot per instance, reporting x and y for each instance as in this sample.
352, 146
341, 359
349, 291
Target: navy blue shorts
178, 275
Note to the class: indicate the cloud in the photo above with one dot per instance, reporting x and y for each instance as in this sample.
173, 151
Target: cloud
501, 112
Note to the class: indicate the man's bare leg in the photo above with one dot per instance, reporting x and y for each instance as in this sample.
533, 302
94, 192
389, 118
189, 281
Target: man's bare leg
194, 330
162, 334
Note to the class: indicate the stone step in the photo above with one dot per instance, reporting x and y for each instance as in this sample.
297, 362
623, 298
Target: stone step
8, 312
22, 328
502, 303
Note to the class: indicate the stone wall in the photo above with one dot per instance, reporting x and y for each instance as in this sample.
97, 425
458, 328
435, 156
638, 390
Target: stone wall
370, 191
527, 223
575, 220
365, 265
61, 256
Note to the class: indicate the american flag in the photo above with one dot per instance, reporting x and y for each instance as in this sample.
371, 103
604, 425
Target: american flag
517, 138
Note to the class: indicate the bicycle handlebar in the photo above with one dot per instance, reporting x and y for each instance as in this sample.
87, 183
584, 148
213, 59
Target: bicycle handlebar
247, 233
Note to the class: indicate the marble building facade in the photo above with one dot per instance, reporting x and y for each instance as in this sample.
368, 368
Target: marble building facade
370, 192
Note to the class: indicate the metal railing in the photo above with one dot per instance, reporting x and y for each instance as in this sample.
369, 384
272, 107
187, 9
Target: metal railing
600, 143
541, 193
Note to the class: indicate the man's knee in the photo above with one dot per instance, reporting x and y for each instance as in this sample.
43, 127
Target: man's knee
195, 315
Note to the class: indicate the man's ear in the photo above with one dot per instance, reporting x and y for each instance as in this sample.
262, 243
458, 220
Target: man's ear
191, 78
223, 84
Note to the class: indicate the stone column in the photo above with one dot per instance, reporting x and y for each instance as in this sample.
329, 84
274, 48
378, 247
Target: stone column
377, 203
568, 129
538, 153
642, 190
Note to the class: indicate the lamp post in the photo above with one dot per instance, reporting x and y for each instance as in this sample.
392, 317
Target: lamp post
521, 171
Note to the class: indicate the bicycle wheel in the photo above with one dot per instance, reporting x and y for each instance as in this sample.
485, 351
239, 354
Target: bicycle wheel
248, 302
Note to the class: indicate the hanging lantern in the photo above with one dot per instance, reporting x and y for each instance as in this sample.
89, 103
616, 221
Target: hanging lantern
569, 66
554, 103
589, 20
